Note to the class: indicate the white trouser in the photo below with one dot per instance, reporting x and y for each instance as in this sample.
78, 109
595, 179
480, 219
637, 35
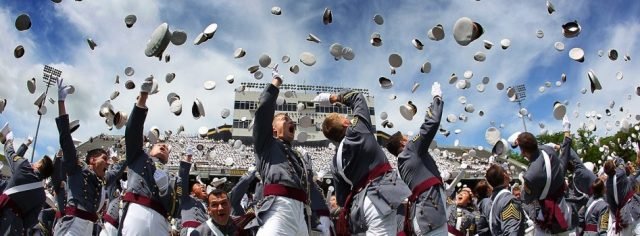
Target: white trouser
109, 230
77, 226
285, 217
538, 231
633, 229
379, 224
141, 220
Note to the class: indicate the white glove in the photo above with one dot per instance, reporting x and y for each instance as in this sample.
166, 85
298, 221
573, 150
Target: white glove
323, 99
147, 85
63, 90
325, 225
635, 146
9, 136
275, 74
435, 90
566, 125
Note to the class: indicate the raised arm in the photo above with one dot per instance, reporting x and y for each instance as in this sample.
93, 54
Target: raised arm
432, 119
114, 173
69, 152
262, 129
134, 137
56, 181
358, 103
183, 173
238, 191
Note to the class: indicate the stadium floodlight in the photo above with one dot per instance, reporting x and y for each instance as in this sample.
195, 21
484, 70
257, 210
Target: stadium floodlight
520, 96
50, 77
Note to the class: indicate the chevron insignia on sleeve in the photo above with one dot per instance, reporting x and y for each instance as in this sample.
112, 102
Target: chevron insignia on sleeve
604, 220
415, 138
354, 121
179, 191
16, 158
429, 114
510, 212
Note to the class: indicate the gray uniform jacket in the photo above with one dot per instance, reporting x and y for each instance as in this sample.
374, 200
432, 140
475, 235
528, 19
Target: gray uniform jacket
419, 170
141, 168
361, 154
507, 216
28, 203
276, 161
535, 179
205, 230
482, 218
596, 219
465, 216
623, 202
57, 177
112, 213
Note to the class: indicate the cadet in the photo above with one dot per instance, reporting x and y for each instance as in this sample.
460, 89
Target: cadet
151, 194
287, 185
623, 201
193, 210
483, 192
544, 184
23, 196
461, 220
427, 213
366, 186
85, 192
506, 216
220, 222
594, 219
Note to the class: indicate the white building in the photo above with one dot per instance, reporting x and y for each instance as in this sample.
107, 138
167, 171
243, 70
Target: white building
291, 96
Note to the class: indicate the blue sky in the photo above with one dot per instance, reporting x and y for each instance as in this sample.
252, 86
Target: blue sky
59, 31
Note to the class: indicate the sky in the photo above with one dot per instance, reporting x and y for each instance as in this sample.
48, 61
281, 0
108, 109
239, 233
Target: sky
59, 32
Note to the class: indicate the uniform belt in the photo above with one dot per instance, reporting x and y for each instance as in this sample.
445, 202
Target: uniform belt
454, 231
342, 227
552, 213
107, 218
59, 215
74, 211
145, 201
284, 191
6, 201
424, 186
590, 228
190, 224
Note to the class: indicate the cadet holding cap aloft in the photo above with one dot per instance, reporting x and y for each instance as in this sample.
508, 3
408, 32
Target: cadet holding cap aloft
426, 213
366, 185
544, 185
193, 210
151, 194
85, 181
624, 202
288, 188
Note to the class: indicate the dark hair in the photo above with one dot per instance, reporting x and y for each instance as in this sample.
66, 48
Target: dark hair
46, 167
94, 153
527, 143
609, 167
482, 189
393, 146
597, 188
217, 192
495, 175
